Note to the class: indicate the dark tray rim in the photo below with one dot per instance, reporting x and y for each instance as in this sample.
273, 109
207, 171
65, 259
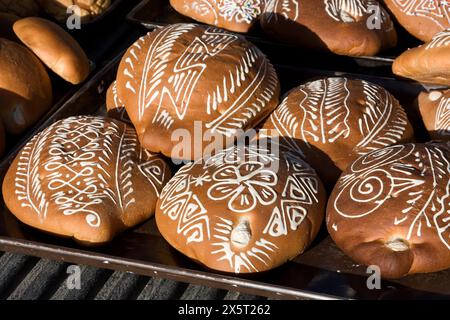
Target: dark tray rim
104, 261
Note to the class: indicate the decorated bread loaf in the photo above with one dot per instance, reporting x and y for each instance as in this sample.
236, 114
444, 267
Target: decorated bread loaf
429, 63
114, 105
6, 26
346, 27
332, 121
435, 110
185, 82
55, 47
234, 15
21, 8
25, 88
391, 209
87, 9
422, 18
86, 178
245, 210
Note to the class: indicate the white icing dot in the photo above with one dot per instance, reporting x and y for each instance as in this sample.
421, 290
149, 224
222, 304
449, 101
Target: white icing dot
397, 245
435, 95
241, 235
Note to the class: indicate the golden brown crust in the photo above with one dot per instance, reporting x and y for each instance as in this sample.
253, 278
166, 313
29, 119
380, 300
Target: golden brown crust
233, 15
25, 87
428, 63
434, 108
86, 178
195, 78
422, 20
391, 208
55, 47
333, 121
245, 210
338, 26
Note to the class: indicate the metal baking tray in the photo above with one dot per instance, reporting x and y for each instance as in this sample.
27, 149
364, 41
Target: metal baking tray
322, 272
153, 14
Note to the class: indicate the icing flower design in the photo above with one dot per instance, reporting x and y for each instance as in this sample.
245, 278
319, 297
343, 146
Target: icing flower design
240, 10
244, 186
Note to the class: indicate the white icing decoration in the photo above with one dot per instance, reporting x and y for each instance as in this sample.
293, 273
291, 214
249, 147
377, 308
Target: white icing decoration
397, 245
240, 260
386, 174
325, 113
434, 10
289, 9
241, 184
435, 95
182, 205
381, 125
442, 118
442, 39
78, 152
241, 11
241, 234
171, 97
346, 10
244, 186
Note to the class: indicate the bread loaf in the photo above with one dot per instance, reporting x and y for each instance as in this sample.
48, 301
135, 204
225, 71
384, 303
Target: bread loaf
86, 178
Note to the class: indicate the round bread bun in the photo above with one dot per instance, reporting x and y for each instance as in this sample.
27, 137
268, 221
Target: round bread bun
423, 19
25, 87
434, 108
193, 81
6, 26
233, 15
344, 27
84, 177
55, 47
114, 105
333, 121
247, 209
88, 9
21, 8
428, 63
391, 209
